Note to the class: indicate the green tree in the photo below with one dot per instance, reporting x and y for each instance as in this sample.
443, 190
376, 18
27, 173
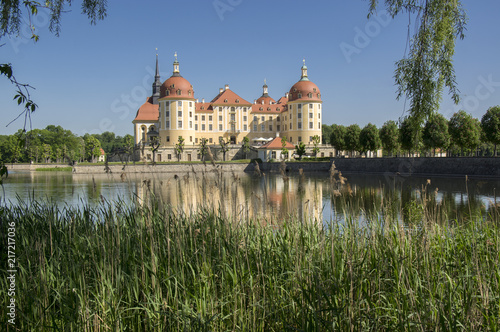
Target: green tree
245, 146
46, 151
351, 138
224, 147
284, 150
203, 150
326, 131
490, 125
465, 131
337, 137
128, 142
179, 147
410, 135
369, 138
428, 67
154, 144
300, 150
435, 134
389, 137
315, 140
92, 148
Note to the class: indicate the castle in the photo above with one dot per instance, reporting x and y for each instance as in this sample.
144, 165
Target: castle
173, 111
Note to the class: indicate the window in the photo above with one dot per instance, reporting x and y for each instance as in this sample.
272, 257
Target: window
168, 138
167, 114
311, 125
273, 154
311, 106
270, 118
299, 115
300, 139
190, 114
169, 157
319, 125
262, 118
203, 127
270, 127
244, 109
245, 128
190, 124
190, 103
220, 109
285, 127
244, 118
196, 118
299, 106
277, 127
202, 118
319, 106
310, 116
220, 118
179, 114
291, 139
233, 117
209, 118
179, 124
190, 138
233, 109
262, 127
278, 118
167, 124
319, 115
196, 141
179, 104
220, 127
291, 126
310, 138
310, 95
299, 125
178, 92
210, 140
210, 127
195, 126
299, 95
254, 118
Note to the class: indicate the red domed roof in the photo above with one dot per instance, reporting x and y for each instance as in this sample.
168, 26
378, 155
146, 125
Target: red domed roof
304, 90
176, 87
265, 100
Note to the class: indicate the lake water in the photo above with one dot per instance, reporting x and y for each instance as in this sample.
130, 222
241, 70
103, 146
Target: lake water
307, 196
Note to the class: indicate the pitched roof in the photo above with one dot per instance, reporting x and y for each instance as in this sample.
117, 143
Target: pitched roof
276, 144
228, 97
203, 108
148, 111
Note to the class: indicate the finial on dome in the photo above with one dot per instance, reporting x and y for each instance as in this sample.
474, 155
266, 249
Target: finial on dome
304, 71
157, 51
175, 55
304, 61
176, 66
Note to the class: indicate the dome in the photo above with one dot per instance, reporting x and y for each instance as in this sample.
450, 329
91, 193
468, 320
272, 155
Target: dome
176, 87
304, 90
265, 100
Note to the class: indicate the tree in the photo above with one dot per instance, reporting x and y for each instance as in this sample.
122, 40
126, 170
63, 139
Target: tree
326, 131
351, 138
337, 137
435, 134
315, 140
12, 17
92, 148
224, 147
465, 131
284, 150
389, 137
203, 150
410, 135
128, 142
179, 147
154, 143
428, 67
490, 125
246, 146
369, 138
300, 150
46, 150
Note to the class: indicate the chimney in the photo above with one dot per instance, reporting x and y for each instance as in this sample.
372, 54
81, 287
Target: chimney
255, 101
196, 99
226, 87
286, 94
203, 100
220, 90
262, 102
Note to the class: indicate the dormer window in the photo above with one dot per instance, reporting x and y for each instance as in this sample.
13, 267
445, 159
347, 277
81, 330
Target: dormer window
178, 92
294, 89
269, 108
189, 92
172, 86
314, 89
310, 95
225, 100
319, 95
167, 93
299, 95
261, 109
237, 101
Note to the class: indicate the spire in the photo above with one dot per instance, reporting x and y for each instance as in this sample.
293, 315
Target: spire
176, 66
304, 71
156, 83
265, 92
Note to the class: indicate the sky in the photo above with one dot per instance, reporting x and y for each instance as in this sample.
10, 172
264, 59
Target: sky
93, 78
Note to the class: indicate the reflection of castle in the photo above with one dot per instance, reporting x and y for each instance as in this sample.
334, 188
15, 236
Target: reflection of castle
239, 196
172, 111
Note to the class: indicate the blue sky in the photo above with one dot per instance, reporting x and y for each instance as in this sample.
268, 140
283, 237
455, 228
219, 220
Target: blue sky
93, 78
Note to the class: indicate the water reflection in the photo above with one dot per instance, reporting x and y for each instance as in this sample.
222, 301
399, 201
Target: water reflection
272, 197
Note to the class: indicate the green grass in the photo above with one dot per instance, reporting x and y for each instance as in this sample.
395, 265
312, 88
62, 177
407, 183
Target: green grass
54, 169
149, 268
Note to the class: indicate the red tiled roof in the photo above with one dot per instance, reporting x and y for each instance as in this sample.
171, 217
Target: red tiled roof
175, 85
275, 144
231, 98
304, 88
203, 108
147, 112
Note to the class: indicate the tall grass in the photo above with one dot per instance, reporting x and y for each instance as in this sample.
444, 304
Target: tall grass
150, 268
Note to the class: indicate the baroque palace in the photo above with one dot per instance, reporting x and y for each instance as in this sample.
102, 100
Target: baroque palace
173, 111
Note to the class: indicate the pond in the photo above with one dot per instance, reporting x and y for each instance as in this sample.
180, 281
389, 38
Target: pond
272, 197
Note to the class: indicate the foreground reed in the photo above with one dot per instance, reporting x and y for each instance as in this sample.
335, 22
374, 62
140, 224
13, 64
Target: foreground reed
149, 268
